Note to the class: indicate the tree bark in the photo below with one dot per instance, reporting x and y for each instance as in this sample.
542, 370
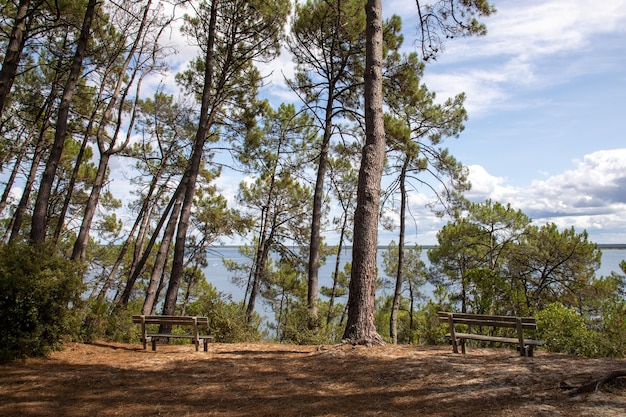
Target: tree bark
118, 96
137, 267
191, 174
14, 49
397, 294
40, 220
360, 326
160, 261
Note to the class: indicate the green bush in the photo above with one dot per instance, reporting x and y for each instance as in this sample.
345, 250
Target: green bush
294, 328
430, 329
227, 319
105, 320
38, 290
565, 331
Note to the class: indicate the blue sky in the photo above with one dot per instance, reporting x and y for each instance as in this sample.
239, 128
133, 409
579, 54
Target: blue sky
546, 93
546, 97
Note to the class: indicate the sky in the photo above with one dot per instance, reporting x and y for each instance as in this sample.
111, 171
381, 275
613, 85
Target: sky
546, 102
546, 92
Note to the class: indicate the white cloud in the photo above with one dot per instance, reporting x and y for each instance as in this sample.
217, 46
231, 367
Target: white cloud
591, 196
538, 27
530, 45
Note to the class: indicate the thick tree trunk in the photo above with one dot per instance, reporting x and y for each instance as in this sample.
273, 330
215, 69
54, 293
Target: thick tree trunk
40, 221
360, 327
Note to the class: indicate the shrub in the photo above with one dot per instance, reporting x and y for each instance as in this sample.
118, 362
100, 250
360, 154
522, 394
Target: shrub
294, 328
105, 320
431, 330
227, 319
38, 290
565, 331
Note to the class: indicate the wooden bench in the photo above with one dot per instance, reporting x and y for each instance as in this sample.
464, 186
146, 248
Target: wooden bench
191, 323
525, 346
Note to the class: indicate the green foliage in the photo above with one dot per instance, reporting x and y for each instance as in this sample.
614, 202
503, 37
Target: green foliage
565, 331
613, 330
554, 265
103, 320
227, 319
39, 294
295, 329
405, 333
431, 330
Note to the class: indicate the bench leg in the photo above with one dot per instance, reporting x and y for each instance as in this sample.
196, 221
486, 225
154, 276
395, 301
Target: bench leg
463, 346
206, 344
526, 351
455, 348
154, 342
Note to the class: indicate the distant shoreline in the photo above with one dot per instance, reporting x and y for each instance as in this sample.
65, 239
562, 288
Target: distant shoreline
608, 246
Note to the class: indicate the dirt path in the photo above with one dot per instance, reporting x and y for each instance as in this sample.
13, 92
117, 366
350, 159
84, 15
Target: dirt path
262, 379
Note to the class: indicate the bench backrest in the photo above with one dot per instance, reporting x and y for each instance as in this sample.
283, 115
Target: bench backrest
172, 320
486, 320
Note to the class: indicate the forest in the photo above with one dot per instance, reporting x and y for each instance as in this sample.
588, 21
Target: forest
82, 93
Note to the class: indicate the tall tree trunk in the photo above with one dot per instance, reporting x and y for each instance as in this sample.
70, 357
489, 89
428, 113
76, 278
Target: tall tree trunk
22, 206
360, 326
14, 49
191, 173
265, 240
259, 274
136, 269
118, 96
143, 218
80, 246
40, 221
161, 259
318, 198
397, 294
44, 114
70, 188
333, 292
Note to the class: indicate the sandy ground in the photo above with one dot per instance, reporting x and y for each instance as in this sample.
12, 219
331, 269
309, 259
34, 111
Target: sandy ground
107, 379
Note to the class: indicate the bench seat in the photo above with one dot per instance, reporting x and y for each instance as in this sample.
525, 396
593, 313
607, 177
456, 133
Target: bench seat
191, 322
525, 346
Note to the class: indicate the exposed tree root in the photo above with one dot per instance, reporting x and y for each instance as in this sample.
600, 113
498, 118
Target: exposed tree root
369, 340
595, 385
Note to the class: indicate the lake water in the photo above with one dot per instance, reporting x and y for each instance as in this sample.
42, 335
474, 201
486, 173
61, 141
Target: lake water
220, 277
